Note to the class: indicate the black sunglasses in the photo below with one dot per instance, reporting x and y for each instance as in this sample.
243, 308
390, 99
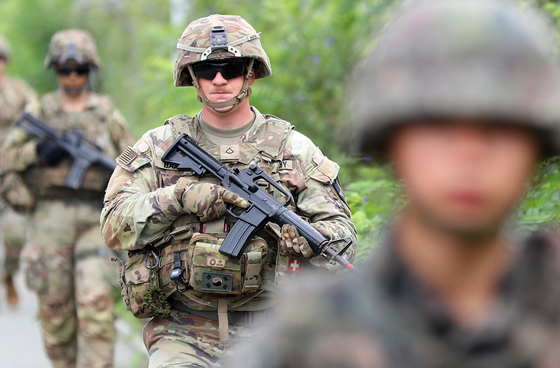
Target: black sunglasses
68, 71
229, 70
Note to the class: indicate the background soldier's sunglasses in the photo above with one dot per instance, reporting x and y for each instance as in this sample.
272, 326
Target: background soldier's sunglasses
68, 71
229, 70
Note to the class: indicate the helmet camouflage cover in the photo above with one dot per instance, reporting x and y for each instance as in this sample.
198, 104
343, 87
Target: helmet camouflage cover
5, 49
476, 59
72, 44
195, 45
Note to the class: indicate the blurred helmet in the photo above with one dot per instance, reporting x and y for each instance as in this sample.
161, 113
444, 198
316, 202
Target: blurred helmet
72, 44
5, 49
481, 59
201, 41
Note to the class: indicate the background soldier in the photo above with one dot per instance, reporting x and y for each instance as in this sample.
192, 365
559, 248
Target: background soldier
69, 266
180, 219
15, 93
462, 98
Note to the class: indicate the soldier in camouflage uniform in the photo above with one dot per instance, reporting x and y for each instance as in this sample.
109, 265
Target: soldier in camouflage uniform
461, 97
172, 220
69, 266
15, 93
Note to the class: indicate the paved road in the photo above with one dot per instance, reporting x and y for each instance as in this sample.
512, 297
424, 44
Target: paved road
20, 339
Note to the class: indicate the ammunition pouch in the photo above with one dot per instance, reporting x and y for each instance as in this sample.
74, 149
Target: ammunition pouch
212, 272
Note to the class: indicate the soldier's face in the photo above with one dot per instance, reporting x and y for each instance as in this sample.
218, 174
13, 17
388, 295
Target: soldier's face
463, 177
221, 89
72, 77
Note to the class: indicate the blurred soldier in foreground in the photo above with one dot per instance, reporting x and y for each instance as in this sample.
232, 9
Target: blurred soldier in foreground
174, 221
462, 98
69, 266
15, 93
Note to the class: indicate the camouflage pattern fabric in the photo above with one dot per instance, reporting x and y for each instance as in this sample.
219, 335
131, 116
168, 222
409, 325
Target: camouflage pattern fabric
13, 227
75, 296
215, 198
195, 41
458, 71
293, 244
76, 309
72, 44
184, 340
385, 317
144, 207
15, 94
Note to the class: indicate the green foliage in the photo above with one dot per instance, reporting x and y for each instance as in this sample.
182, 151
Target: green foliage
374, 198
541, 206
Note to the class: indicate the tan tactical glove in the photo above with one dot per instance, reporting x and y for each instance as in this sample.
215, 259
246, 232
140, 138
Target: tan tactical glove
294, 245
208, 201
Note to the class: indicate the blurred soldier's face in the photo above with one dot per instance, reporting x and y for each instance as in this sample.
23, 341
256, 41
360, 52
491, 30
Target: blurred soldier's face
72, 77
463, 177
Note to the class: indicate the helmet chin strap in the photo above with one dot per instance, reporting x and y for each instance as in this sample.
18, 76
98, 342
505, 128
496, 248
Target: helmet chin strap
233, 102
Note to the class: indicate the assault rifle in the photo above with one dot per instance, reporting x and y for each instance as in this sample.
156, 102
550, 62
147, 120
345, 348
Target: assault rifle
185, 154
83, 151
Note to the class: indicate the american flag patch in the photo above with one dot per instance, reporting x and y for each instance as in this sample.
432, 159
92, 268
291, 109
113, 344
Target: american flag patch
127, 156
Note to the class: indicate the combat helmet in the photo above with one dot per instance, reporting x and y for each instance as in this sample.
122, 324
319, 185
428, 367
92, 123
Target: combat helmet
5, 48
481, 59
72, 44
217, 37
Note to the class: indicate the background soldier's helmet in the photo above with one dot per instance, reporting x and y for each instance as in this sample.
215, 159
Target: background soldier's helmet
72, 44
195, 45
5, 49
460, 59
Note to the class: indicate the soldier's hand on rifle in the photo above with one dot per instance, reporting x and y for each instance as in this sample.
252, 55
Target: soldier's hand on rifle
208, 201
294, 245
49, 152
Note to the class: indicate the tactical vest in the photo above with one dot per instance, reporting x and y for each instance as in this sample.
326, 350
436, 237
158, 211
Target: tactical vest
49, 182
191, 247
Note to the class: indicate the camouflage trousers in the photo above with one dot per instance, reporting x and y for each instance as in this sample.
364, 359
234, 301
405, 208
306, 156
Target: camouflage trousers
184, 340
69, 268
13, 233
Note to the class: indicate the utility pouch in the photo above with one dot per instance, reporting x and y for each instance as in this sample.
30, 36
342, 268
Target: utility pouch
212, 272
36, 276
122, 282
136, 280
146, 279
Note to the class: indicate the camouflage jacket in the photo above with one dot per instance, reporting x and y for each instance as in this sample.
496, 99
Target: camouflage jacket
142, 209
100, 121
385, 317
15, 93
